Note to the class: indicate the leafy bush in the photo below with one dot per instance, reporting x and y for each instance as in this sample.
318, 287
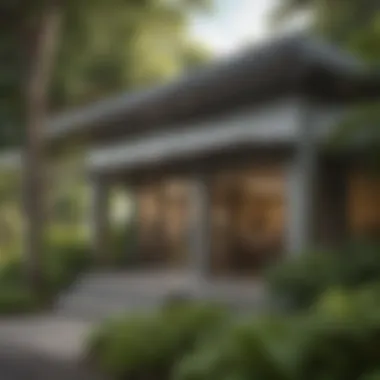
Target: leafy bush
123, 246
14, 295
344, 344
302, 279
63, 263
360, 264
66, 256
299, 281
148, 346
340, 302
11, 272
16, 300
338, 338
252, 350
328, 342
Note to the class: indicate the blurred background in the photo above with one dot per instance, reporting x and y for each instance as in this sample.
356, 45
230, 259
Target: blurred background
60, 55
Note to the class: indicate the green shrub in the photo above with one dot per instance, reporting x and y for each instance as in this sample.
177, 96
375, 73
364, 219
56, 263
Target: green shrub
299, 281
324, 343
14, 294
338, 338
148, 346
11, 272
66, 256
16, 300
341, 302
123, 247
342, 345
360, 264
62, 264
247, 351
375, 375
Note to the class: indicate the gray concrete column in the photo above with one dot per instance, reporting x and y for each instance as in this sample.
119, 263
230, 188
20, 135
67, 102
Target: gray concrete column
132, 227
301, 177
100, 219
200, 226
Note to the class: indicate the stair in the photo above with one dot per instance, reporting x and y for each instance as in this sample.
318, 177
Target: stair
97, 296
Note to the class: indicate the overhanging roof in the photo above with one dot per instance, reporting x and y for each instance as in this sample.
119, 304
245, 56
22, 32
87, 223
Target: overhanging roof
293, 65
272, 127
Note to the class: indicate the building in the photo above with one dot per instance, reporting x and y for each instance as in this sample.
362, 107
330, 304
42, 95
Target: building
229, 164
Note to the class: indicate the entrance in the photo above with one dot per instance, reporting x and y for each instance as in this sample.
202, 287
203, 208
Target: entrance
163, 221
248, 220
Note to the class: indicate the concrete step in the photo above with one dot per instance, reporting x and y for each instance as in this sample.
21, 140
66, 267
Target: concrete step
132, 283
108, 289
101, 295
97, 307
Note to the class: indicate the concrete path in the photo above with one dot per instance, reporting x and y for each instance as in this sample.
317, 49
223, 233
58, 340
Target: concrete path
42, 347
19, 364
59, 337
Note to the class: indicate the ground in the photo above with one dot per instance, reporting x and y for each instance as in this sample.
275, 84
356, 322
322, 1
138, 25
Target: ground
42, 347
19, 364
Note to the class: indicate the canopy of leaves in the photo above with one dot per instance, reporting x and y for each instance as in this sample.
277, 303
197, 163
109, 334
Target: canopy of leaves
355, 25
105, 47
337, 20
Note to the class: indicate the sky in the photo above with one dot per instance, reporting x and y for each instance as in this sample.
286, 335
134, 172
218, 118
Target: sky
234, 24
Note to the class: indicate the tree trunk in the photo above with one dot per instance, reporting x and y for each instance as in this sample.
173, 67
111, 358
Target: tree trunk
42, 52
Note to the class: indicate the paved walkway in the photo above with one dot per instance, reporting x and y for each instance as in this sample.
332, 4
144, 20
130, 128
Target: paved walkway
42, 347
18, 364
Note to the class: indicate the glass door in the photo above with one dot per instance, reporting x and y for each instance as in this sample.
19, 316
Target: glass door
248, 220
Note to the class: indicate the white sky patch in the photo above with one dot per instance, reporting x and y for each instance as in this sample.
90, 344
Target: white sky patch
233, 24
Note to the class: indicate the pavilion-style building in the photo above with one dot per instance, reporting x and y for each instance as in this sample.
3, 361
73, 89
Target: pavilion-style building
229, 164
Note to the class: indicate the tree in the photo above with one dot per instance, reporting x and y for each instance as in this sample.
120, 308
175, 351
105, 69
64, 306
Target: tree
354, 25
336, 20
44, 34
12, 24
103, 46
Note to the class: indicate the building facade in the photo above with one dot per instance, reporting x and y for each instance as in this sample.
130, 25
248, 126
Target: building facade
229, 165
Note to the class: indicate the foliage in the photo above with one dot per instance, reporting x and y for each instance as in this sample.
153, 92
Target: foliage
359, 130
363, 121
335, 20
17, 300
122, 248
302, 279
104, 47
257, 349
326, 343
10, 219
338, 301
65, 258
148, 346
343, 342
11, 272
298, 281
354, 25
365, 41
337, 337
